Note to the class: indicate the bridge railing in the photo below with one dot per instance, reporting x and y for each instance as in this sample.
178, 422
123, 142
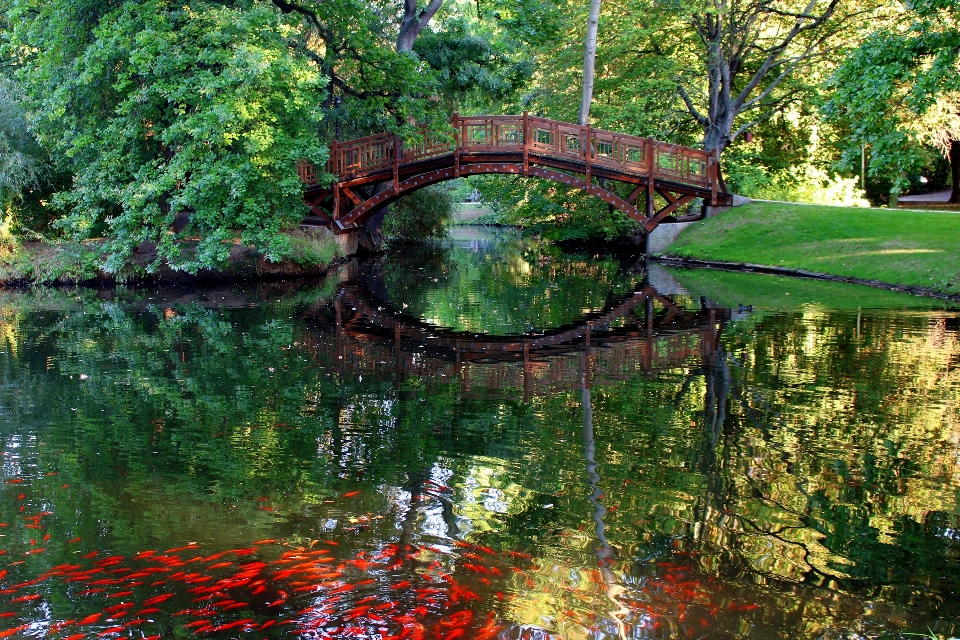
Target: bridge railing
528, 135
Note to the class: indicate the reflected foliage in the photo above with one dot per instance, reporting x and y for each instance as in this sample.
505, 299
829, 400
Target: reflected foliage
799, 477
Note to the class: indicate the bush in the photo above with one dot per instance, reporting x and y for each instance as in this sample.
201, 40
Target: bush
807, 183
420, 215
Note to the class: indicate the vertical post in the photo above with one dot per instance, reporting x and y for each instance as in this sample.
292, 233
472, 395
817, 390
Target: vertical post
587, 149
651, 150
526, 143
396, 164
335, 155
456, 144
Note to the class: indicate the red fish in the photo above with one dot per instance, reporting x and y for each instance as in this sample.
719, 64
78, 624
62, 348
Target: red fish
158, 599
118, 607
27, 598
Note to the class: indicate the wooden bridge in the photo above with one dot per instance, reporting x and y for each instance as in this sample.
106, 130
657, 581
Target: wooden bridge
374, 171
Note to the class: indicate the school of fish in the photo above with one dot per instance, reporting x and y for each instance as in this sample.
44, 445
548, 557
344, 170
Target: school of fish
275, 589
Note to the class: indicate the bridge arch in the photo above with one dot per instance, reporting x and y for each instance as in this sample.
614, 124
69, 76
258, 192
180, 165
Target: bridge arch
517, 145
359, 214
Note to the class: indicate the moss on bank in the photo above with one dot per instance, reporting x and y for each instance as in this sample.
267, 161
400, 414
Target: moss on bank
906, 248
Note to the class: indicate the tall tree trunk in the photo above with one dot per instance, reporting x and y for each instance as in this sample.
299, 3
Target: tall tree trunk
414, 22
955, 170
589, 59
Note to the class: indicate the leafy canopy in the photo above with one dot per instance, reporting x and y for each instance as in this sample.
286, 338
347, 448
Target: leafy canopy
899, 91
159, 108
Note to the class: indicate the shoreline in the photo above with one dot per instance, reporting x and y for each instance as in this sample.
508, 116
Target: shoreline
748, 267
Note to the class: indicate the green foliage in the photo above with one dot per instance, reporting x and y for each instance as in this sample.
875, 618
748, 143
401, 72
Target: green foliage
555, 211
158, 108
19, 151
805, 183
886, 93
309, 248
47, 263
420, 215
473, 66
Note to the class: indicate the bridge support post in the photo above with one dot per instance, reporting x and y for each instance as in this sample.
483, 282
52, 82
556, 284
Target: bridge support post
348, 243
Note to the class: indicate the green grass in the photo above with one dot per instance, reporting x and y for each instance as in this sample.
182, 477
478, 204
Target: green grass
309, 248
913, 248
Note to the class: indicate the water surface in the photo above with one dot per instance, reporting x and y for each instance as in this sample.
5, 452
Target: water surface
481, 439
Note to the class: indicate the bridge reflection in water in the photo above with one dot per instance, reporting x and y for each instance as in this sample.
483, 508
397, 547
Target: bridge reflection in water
364, 335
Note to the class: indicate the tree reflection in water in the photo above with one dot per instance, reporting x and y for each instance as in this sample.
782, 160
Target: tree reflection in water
667, 472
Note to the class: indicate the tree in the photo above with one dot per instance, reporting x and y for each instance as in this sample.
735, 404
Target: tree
160, 109
899, 92
747, 50
413, 23
589, 59
20, 163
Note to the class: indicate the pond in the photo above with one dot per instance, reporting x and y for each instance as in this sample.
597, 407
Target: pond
483, 438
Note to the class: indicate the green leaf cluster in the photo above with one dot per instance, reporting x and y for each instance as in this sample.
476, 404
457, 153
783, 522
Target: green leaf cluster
161, 109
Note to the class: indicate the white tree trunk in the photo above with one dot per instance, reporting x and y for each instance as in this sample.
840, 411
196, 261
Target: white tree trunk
589, 58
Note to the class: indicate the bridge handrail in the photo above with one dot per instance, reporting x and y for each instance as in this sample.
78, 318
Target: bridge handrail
530, 135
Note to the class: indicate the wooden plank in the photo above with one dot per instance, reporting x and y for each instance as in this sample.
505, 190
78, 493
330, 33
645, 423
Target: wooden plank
354, 198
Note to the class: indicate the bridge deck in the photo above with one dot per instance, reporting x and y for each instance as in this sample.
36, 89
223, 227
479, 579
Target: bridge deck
523, 145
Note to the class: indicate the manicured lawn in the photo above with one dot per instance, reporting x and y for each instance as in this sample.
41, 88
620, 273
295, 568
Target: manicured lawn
915, 248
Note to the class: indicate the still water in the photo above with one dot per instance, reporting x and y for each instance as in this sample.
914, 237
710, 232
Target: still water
481, 439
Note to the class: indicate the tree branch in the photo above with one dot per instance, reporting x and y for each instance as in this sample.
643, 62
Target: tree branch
800, 25
699, 117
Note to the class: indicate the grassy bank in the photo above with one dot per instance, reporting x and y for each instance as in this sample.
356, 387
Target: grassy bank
469, 213
907, 248
29, 263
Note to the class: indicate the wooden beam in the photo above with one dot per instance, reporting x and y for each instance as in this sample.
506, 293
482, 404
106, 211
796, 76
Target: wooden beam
354, 198
669, 197
632, 198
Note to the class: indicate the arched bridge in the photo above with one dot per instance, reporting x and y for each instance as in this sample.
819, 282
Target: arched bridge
632, 171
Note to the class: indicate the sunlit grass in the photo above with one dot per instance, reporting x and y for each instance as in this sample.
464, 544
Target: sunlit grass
914, 248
